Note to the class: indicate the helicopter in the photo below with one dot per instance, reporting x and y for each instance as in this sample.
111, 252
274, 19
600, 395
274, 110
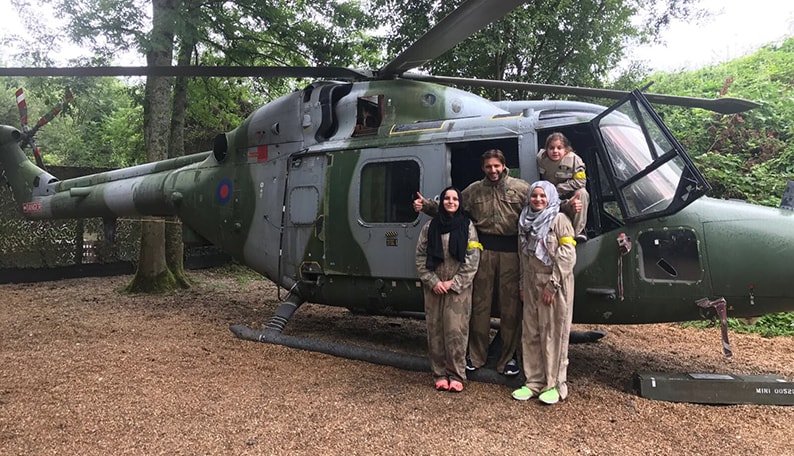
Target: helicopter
314, 190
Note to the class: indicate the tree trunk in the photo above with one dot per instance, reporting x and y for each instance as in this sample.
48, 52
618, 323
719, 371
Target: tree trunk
153, 274
174, 245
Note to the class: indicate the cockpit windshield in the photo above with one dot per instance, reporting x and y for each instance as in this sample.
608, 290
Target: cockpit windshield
631, 155
650, 171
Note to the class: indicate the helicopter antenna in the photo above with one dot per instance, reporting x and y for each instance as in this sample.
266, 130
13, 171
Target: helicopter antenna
27, 132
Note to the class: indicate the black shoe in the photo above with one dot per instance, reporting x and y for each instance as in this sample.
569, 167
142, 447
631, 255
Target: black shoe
580, 238
511, 368
469, 365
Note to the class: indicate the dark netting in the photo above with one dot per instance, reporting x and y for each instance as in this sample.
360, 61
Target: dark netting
28, 244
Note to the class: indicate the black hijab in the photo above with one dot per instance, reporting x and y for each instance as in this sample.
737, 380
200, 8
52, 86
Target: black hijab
457, 225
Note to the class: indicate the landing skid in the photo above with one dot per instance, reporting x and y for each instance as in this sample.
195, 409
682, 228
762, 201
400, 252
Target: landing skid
272, 334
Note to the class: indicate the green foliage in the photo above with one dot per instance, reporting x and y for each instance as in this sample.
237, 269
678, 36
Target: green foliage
748, 155
100, 127
217, 105
772, 325
550, 42
247, 32
105, 26
9, 115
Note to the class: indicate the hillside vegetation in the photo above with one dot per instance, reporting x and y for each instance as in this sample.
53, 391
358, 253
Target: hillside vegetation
746, 156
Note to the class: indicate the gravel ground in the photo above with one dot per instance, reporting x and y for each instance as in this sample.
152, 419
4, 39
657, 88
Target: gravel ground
87, 370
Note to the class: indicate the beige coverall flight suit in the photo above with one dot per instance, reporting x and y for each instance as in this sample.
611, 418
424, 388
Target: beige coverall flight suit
546, 328
568, 175
494, 208
447, 315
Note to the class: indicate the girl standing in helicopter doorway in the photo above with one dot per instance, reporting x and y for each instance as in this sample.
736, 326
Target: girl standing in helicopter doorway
559, 164
547, 257
447, 256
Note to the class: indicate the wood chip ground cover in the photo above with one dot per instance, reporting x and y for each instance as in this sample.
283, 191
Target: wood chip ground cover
85, 369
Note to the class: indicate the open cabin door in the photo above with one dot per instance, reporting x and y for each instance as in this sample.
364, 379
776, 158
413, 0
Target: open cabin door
651, 173
642, 175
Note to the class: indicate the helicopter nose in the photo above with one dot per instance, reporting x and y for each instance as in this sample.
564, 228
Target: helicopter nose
750, 257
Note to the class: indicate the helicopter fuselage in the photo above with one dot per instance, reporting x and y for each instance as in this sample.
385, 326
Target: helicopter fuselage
314, 191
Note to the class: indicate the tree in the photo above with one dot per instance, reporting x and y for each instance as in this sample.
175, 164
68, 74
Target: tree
253, 32
174, 246
153, 273
545, 41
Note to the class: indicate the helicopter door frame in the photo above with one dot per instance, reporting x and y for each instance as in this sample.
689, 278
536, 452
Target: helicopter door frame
302, 208
370, 217
647, 166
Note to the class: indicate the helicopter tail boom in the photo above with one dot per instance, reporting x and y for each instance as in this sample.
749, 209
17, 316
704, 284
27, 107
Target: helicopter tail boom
147, 189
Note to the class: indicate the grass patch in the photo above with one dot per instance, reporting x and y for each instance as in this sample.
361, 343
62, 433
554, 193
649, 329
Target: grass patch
772, 325
240, 273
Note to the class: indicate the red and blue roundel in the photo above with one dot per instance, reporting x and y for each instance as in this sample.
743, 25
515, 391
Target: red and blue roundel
224, 191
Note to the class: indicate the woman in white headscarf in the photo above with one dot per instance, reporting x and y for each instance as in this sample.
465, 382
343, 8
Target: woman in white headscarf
548, 255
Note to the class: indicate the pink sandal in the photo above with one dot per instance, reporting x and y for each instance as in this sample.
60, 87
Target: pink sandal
455, 386
442, 384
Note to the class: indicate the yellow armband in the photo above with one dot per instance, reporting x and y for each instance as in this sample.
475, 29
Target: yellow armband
473, 245
580, 175
567, 240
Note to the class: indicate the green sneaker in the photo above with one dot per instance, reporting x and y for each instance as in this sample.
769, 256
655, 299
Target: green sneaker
523, 394
549, 397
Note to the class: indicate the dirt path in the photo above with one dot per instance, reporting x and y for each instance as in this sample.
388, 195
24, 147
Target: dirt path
86, 370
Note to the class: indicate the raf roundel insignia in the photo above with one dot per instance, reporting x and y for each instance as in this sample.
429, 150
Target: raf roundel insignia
224, 192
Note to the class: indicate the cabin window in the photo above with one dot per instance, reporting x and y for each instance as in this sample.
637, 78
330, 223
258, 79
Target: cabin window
609, 203
670, 255
387, 190
369, 115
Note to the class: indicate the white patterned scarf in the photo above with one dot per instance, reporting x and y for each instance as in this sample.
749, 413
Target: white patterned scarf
534, 226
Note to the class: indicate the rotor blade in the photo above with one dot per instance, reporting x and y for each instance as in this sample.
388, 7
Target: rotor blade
36, 152
27, 136
725, 105
53, 112
23, 107
197, 71
461, 23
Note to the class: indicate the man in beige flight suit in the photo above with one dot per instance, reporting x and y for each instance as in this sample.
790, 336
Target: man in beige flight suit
493, 204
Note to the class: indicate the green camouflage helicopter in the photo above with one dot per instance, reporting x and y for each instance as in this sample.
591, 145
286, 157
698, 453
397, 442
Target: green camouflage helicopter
314, 189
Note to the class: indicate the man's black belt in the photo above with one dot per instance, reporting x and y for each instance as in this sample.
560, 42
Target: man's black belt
498, 242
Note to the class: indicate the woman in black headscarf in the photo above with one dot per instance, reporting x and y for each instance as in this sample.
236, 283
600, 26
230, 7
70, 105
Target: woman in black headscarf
447, 256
